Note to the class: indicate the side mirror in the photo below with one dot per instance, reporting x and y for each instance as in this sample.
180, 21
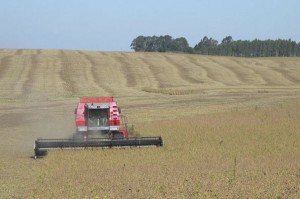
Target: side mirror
75, 111
119, 109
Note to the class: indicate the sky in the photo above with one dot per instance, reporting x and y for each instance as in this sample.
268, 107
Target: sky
111, 25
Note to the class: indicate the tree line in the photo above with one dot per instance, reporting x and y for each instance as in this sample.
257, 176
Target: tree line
210, 46
160, 44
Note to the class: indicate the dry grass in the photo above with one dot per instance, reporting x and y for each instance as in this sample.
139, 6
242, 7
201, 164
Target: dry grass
244, 154
169, 91
230, 125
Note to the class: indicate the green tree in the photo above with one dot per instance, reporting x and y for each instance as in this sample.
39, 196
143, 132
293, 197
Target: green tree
210, 46
181, 45
138, 44
160, 44
226, 46
207, 46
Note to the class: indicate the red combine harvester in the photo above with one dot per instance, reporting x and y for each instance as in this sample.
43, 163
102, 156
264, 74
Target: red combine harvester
99, 123
100, 115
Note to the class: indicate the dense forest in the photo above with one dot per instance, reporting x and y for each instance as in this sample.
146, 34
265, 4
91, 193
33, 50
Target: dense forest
210, 46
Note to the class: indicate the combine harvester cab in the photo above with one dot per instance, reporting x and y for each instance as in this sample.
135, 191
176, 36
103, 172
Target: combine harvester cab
99, 124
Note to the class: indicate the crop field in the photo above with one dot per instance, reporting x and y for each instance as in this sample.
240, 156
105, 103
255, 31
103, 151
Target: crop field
230, 125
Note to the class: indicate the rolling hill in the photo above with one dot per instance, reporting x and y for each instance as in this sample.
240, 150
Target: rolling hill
197, 103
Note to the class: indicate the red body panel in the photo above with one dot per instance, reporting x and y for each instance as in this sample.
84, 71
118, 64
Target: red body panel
113, 114
79, 119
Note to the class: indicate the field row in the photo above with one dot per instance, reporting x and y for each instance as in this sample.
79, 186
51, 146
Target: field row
52, 74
